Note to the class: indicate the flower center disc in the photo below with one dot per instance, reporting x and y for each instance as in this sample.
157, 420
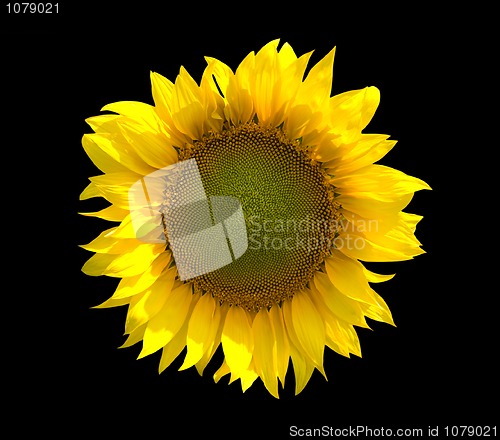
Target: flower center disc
288, 209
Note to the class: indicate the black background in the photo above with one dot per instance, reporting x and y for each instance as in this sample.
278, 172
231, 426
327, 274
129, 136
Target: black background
66, 375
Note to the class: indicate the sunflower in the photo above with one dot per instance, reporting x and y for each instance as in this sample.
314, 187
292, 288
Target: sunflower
244, 207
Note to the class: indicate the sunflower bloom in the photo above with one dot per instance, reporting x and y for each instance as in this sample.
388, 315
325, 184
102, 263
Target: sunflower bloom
243, 208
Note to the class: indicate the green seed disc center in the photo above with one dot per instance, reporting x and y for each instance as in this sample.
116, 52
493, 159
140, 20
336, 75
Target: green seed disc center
288, 209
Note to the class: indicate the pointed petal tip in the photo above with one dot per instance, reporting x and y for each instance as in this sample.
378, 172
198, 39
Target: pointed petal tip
321, 369
424, 184
274, 394
144, 353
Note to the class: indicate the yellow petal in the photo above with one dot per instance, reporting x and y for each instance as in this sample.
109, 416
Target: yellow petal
130, 263
178, 342
97, 264
240, 102
173, 349
282, 344
134, 337
334, 345
101, 159
303, 122
248, 377
146, 305
106, 243
286, 55
308, 327
380, 313
317, 86
302, 368
293, 338
112, 153
165, 324
212, 102
220, 316
339, 304
352, 111
294, 71
340, 334
125, 229
202, 329
336, 338
114, 187
221, 73
221, 372
154, 149
103, 123
383, 249
286, 307
391, 238
264, 353
378, 182
373, 277
367, 206
188, 113
367, 150
112, 302
130, 286
342, 338
350, 336
265, 85
90, 191
275, 78
348, 277
237, 340
134, 262
162, 89
410, 220
134, 110
111, 213
150, 144
143, 118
